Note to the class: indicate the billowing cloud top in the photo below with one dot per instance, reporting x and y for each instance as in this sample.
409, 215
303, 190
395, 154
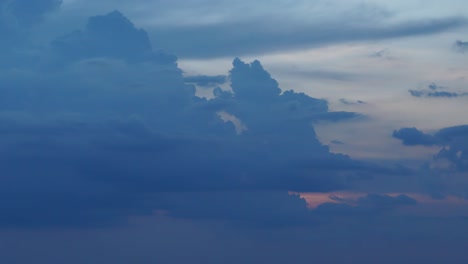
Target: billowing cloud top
103, 126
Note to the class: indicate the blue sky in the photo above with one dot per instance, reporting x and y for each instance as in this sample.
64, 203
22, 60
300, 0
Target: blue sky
158, 131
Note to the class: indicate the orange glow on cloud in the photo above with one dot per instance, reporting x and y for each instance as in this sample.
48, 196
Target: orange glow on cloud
315, 199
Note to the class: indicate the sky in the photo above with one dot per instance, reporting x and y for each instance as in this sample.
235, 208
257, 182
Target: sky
157, 131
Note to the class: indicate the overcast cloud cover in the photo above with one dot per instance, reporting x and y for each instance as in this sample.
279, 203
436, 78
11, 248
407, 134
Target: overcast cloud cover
158, 132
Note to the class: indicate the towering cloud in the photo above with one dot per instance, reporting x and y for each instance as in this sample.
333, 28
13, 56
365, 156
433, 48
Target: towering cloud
115, 128
100, 39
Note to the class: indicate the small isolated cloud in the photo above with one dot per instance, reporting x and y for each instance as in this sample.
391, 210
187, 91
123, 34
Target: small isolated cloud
435, 91
382, 54
461, 46
337, 142
349, 102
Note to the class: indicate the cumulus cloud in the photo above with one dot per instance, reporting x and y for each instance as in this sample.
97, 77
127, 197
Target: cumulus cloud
116, 129
99, 39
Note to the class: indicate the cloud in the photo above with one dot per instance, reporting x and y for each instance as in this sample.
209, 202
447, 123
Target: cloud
336, 116
259, 208
348, 102
103, 128
206, 81
433, 90
337, 142
324, 74
452, 158
369, 205
454, 139
382, 54
17, 17
26, 13
256, 37
461, 46
111, 36
252, 82
411, 136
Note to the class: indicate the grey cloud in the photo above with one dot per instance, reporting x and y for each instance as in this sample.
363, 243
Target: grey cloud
461, 46
26, 12
323, 74
17, 17
254, 37
456, 147
109, 132
412, 137
348, 102
382, 54
454, 150
203, 80
417, 93
371, 204
436, 91
102, 39
336, 116
260, 208
252, 82
337, 142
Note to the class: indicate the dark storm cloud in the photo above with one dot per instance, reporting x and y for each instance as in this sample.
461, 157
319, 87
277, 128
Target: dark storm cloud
253, 37
461, 46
